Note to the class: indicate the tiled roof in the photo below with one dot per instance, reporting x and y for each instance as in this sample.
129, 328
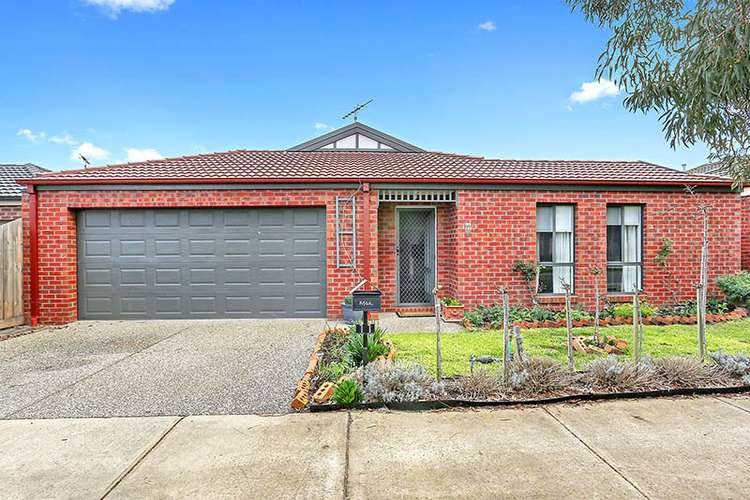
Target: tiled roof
714, 168
10, 172
340, 166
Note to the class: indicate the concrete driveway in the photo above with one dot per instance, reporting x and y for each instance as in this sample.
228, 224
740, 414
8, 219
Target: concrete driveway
144, 368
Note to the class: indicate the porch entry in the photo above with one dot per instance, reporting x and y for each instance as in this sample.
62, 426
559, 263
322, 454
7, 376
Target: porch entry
415, 255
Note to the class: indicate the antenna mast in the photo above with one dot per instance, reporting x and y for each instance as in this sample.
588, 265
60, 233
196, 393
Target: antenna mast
357, 109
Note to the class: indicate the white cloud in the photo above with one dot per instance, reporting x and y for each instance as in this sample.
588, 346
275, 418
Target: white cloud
63, 139
487, 26
135, 155
320, 126
591, 91
116, 6
90, 152
29, 135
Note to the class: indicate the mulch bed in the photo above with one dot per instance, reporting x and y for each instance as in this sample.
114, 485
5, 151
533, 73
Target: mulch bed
539, 400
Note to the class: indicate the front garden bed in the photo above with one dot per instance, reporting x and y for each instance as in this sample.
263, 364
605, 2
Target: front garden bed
403, 382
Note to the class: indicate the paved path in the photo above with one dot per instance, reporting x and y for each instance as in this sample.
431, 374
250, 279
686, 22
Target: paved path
667, 448
139, 368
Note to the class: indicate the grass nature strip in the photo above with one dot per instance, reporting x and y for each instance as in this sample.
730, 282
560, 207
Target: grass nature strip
659, 341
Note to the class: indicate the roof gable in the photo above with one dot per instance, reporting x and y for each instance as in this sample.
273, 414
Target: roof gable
356, 137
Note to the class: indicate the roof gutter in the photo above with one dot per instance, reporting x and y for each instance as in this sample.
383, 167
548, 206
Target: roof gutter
339, 180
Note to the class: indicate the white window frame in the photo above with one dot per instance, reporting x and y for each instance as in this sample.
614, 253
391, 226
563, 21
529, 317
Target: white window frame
553, 264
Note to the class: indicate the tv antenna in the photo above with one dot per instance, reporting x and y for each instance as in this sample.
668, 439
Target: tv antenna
85, 161
357, 109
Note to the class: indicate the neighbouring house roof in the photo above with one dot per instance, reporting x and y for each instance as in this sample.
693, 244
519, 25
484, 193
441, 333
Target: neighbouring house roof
322, 160
10, 172
713, 168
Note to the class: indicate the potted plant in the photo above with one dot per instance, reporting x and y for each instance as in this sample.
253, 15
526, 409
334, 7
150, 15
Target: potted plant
453, 309
349, 315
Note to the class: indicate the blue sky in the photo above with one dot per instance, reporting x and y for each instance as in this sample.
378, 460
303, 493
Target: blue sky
137, 78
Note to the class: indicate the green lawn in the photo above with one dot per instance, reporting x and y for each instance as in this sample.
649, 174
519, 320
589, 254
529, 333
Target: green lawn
674, 340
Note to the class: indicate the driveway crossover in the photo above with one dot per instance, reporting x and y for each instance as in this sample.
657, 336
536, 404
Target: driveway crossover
142, 368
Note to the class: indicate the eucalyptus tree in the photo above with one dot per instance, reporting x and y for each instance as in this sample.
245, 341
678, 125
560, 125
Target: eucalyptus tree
687, 61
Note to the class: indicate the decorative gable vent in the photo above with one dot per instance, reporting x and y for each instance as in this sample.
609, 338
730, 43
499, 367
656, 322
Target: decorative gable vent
357, 142
357, 137
419, 195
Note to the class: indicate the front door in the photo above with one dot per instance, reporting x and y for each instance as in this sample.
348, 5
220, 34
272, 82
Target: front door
415, 256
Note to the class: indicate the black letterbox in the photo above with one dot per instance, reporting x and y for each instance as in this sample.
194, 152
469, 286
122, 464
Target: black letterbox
366, 300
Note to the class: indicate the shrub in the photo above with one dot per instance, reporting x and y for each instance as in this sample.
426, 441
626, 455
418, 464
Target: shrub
679, 371
734, 365
331, 372
577, 314
479, 385
689, 308
626, 310
736, 287
450, 301
483, 316
348, 300
475, 317
354, 346
539, 313
348, 393
492, 316
612, 374
399, 382
537, 375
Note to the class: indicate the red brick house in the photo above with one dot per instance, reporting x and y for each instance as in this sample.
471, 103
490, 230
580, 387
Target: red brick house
717, 168
289, 233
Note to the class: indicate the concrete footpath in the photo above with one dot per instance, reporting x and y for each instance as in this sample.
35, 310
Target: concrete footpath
665, 448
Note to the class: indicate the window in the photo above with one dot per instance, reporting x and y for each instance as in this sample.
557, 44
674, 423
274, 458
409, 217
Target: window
554, 246
624, 248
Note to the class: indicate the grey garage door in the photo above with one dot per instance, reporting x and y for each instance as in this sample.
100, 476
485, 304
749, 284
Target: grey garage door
201, 263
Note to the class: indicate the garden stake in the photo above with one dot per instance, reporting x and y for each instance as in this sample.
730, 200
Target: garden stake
439, 360
701, 324
519, 342
596, 272
637, 326
506, 333
569, 325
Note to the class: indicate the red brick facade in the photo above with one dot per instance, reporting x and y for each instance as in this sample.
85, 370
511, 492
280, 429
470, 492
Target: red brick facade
472, 260
503, 230
10, 212
746, 232
57, 236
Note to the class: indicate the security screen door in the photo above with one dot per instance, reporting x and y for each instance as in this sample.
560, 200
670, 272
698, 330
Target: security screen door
415, 255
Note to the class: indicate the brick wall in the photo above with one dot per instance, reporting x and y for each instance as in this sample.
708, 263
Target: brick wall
504, 230
10, 212
746, 232
470, 266
57, 236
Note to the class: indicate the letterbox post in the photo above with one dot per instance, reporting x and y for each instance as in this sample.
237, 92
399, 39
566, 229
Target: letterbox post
365, 301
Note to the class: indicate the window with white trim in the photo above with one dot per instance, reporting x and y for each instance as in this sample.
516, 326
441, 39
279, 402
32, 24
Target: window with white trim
624, 248
555, 244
